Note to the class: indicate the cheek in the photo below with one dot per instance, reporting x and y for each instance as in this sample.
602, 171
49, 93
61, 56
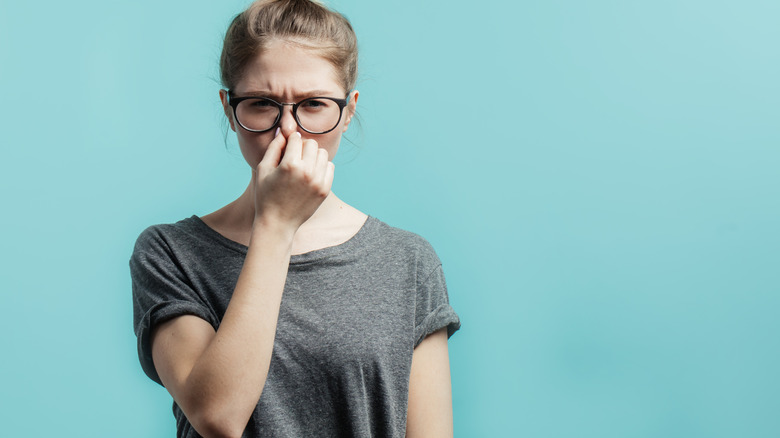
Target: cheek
330, 143
253, 146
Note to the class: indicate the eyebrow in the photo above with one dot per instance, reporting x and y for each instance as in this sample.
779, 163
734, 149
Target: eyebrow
305, 94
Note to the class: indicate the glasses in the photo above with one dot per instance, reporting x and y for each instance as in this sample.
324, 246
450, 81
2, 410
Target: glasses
315, 115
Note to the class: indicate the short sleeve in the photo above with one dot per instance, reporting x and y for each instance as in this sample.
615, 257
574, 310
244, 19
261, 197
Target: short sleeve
433, 311
161, 291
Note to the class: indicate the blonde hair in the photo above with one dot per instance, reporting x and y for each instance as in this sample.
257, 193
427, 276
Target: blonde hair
303, 22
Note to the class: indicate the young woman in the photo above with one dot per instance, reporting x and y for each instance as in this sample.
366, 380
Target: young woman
288, 313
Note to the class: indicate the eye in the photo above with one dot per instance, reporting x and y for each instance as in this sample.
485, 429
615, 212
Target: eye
260, 103
314, 103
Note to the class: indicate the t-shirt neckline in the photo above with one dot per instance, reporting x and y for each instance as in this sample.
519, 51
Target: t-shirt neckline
316, 254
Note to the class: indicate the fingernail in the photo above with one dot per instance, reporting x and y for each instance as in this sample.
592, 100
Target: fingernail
277, 131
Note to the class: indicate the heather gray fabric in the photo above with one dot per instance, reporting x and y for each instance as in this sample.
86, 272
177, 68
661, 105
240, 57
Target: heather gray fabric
350, 317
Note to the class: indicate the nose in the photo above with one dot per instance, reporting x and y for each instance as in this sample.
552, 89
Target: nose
287, 122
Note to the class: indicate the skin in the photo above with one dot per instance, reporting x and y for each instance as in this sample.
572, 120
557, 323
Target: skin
287, 208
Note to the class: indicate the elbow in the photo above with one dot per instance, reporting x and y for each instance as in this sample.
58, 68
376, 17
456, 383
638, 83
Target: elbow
216, 415
215, 424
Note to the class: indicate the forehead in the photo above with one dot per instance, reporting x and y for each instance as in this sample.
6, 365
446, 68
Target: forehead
285, 69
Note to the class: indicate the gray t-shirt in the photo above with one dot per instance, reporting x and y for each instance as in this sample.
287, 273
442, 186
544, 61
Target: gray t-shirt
350, 318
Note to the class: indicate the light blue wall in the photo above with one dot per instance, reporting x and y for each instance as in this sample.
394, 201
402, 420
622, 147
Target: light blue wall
599, 178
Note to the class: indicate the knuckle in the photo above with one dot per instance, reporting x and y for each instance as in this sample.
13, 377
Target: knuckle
287, 167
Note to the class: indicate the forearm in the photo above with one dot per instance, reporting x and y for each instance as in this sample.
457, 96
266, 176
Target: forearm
226, 381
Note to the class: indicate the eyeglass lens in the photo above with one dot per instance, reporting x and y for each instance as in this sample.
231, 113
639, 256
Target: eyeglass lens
314, 115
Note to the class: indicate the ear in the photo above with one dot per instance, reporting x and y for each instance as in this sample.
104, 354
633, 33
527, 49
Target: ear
351, 108
223, 97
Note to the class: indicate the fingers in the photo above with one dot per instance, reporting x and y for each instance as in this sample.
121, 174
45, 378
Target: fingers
273, 154
320, 166
329, 172
304, 157
324, 170
292, 152
310, 157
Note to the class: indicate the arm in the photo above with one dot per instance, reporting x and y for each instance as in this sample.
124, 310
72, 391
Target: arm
217, 377
430, 391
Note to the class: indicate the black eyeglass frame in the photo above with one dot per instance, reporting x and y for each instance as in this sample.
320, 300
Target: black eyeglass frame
233, 101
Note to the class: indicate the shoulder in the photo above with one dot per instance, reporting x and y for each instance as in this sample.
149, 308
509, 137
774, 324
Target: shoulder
166, 244
411, 244
160, 238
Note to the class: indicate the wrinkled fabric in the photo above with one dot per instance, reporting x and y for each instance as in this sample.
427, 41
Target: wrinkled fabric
349, 320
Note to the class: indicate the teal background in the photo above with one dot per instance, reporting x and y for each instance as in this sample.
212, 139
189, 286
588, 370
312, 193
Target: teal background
599, 178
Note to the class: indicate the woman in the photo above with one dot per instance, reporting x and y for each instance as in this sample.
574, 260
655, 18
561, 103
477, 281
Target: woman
287, 312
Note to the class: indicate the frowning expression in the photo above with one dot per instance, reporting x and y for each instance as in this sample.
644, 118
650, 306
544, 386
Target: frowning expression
288, 73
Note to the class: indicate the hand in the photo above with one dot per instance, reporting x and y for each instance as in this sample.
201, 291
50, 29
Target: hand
291, 181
